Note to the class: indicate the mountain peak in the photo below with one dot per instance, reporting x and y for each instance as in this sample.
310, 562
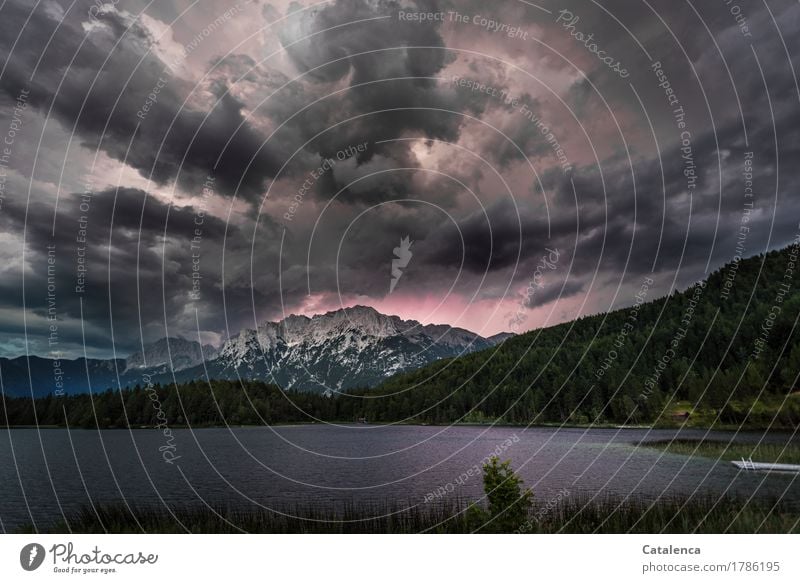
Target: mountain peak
340, 349
170, 352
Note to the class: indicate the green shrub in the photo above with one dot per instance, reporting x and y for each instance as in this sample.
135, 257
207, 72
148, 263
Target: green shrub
509, 502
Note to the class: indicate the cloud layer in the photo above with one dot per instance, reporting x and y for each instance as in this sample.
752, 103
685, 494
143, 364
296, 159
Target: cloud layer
195, 171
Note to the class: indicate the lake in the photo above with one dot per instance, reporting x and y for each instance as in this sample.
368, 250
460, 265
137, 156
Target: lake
49, 471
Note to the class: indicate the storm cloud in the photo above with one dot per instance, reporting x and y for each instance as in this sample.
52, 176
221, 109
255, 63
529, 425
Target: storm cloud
209, 168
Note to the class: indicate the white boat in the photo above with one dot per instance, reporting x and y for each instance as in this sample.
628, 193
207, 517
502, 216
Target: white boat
749, 464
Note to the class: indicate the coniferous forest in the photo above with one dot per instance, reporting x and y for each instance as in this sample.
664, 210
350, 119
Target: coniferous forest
722, 352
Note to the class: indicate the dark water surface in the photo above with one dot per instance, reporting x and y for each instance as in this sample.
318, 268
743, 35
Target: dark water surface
44, 472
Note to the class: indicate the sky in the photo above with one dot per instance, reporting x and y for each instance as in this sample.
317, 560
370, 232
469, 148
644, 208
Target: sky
180, 168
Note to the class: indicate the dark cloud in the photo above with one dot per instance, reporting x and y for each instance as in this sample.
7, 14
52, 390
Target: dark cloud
353, 73
137, 253
97, 80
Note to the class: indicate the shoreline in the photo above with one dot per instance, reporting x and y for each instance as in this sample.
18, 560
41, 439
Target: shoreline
609, 426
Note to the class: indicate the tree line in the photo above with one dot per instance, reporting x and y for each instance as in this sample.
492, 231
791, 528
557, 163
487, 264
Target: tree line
727, 345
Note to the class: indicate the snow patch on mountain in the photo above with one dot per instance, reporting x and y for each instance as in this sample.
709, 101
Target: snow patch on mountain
338, 350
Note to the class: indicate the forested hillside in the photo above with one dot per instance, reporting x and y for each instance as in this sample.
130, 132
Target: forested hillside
726, 349
717, 345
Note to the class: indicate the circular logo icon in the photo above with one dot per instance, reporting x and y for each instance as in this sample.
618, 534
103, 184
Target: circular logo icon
31, 556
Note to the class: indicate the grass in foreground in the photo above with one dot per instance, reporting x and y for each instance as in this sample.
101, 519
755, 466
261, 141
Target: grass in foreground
721, 450
572, 514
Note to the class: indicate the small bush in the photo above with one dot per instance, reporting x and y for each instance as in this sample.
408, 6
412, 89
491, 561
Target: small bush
510, 502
